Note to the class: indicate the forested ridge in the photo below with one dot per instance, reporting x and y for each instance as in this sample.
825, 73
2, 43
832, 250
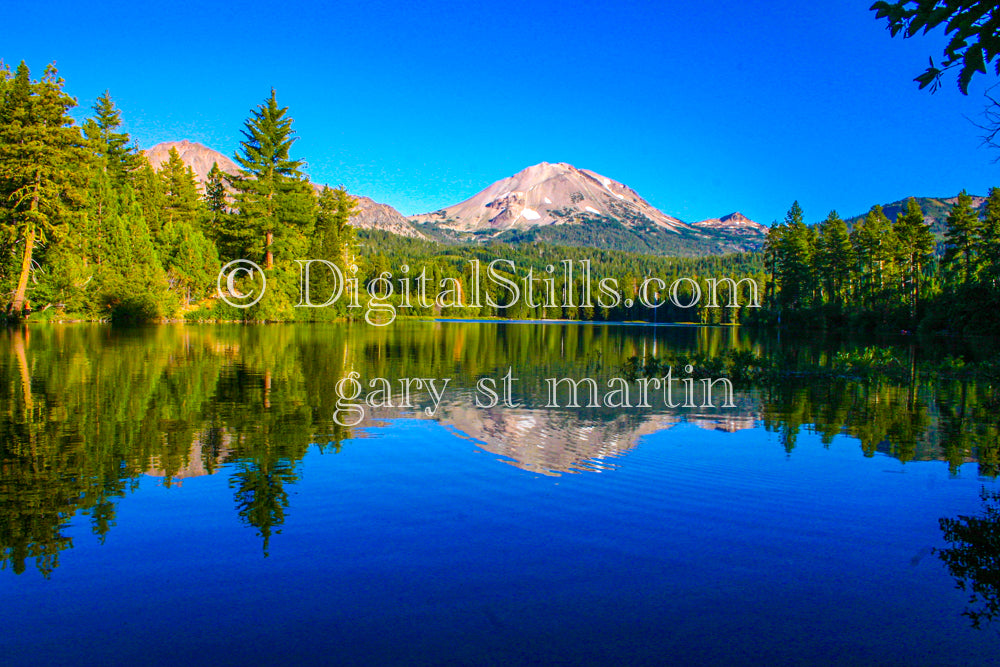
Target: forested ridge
888, 274
90, 230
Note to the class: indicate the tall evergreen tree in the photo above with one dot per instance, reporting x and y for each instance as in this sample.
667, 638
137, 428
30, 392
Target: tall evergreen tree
798, 243
772, 255
916, 247
990, 240
962, 236
834, 257
273, 197
332, 237
188, 257
149, 194
119, 156
218, 216
40, 156
876, 248
181, 202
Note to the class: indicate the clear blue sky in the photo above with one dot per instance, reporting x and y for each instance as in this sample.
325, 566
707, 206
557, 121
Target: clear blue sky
702, 107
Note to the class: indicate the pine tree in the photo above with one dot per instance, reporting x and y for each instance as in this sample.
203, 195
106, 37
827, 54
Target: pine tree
273, 197
772, 254
132, 284
181, 203
187, 255
962, 236
40, 155
120, 158
149, 194
916, 247
876, 247
216, 200
798, 243
331, 238
990, 239
218, 221
834, 257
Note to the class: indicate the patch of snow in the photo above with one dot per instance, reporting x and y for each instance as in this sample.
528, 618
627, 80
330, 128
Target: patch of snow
607, 182
529, 214
592, 210
547, 200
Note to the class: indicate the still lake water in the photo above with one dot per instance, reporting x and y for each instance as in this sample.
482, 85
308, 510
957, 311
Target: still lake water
182, 494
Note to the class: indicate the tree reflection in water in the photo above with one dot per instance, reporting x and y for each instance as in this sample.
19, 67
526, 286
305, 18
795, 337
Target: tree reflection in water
974, 558
87, 413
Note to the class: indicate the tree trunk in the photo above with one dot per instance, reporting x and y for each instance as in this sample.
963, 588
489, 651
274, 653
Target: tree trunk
17, 305
268, 255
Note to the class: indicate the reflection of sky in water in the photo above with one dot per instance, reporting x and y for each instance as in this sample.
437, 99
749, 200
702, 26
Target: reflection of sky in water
418, 543
784, 531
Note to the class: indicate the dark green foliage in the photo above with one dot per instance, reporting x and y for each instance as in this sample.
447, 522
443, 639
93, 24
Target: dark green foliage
644, 238
893, 281
796, 252
217, 209
962, 238
990, 240
274, 201
834, 259
973, 26
935, 210
108, 145
40, 176
916, 248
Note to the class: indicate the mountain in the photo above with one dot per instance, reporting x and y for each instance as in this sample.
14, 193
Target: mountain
935, 210
368, 215
736, 224
560, 203
548, 194
555, 203
200, 158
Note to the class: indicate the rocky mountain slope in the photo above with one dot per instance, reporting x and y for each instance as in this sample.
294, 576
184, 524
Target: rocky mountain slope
556, 202
734, 223
547, 194
560, 203
368, 215
200, 158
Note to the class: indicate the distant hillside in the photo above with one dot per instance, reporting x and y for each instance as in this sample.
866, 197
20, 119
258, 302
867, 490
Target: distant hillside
935, 210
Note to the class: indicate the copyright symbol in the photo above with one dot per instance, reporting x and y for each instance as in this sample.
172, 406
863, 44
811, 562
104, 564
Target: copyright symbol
229, 274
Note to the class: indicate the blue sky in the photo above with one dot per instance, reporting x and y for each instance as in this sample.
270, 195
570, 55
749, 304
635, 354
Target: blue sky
702, 108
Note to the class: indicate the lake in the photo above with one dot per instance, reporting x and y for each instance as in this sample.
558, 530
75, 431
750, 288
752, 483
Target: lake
212, 494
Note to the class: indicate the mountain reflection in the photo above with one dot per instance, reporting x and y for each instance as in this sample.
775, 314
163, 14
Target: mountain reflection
87, 411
